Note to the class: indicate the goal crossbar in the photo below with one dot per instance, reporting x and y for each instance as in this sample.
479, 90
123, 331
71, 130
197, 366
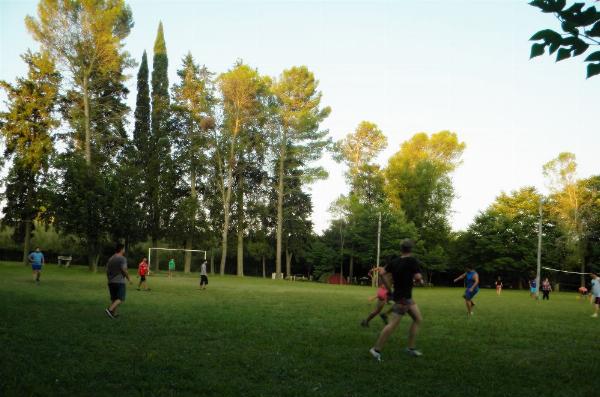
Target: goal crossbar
171, 249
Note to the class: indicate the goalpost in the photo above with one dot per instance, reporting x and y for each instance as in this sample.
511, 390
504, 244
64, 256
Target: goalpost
150, 250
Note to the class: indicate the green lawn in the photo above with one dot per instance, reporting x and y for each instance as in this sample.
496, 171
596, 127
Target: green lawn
254, 337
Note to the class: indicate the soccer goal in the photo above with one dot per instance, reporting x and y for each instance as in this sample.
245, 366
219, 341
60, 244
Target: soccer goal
164, 255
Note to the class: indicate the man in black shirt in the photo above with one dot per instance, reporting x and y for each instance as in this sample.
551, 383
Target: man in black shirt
405, 271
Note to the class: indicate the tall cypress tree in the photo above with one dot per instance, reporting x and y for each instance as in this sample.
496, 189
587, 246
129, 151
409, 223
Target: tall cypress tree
141, 132
160, 172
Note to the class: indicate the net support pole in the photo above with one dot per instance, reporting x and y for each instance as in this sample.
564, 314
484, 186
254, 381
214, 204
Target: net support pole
376, 277
539, 254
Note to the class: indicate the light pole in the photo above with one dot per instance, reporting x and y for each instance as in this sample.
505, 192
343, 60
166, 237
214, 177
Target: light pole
539, 253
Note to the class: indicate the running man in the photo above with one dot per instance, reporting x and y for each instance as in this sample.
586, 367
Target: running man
472, 282
203, 276
596, 294
36, 258
405, 271
143, 272
116, 272
171, 267
499, 286
382, 299
546, 289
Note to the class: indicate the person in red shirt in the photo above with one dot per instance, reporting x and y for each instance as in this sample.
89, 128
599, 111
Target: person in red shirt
143, 272
382, 299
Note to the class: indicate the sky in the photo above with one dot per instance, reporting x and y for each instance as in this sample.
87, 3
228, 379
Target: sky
409, 66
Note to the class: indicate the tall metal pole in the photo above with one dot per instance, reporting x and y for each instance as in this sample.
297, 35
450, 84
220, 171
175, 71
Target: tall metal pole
376, 278
341, 252
539, 255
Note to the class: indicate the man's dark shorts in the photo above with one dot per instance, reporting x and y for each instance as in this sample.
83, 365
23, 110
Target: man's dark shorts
203, 280
117, 291
597, 300
401, 306
143, 278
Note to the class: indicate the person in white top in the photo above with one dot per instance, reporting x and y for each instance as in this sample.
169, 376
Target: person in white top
595, 294
203, 276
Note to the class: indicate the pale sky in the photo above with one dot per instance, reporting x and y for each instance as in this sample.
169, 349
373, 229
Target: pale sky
409, 66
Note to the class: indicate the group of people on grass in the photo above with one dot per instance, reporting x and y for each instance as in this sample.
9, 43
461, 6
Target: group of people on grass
116, 272
396, 281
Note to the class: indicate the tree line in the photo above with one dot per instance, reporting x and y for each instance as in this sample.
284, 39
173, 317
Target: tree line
222, 161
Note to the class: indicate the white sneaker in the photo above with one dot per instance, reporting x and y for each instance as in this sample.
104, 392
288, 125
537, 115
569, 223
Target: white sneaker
376, 355
595, 315
413, 352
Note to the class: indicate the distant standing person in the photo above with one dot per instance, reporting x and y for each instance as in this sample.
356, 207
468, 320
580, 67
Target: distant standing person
472, 282
499, 286
143, 272
116, 272
171, 267
36, 258
546, 289
203, 276
596, 294
405, 272
533, 288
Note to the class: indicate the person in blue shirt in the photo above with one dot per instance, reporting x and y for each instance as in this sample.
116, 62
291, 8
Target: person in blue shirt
533, 288
36, 258
472, 283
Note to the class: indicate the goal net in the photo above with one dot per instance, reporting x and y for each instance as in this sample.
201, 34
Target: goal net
565, 280
164, 255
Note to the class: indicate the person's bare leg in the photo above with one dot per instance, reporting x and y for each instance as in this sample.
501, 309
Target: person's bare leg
375, 312
415, 314
468, 304
114, 305
387, 331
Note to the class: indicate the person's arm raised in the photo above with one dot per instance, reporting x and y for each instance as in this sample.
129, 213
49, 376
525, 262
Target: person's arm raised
460, 277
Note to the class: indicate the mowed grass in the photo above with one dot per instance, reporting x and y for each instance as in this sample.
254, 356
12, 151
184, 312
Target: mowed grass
255, 337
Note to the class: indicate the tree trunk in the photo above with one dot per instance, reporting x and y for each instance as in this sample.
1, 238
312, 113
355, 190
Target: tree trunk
212, 261
93, 257
154, 258
86, 122
280, 206
264, 267
27, 242
288, 263
187, 261
226, 201
351, 270
240, 229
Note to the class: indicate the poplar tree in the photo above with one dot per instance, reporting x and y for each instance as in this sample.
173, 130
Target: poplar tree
193, 104
27, 127
85, 38
299, 136
242, 90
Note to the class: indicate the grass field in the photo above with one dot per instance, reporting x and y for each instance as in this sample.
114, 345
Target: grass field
255, 337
